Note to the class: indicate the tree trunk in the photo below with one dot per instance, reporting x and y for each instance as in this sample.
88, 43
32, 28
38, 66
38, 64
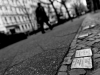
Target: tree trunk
67, 11
76, 10
55, 11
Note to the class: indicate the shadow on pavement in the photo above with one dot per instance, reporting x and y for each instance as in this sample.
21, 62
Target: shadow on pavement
11, 39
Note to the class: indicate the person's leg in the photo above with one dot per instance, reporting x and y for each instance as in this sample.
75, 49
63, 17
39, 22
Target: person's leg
48, 25
41, 27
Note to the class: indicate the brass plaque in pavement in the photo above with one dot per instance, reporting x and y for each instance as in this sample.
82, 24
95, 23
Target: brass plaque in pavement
85, 62
83, 52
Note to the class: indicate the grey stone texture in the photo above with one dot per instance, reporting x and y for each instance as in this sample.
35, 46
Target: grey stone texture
77, 72
96, 72
62, 73
95, 56
63, 68
67, 60
95, 50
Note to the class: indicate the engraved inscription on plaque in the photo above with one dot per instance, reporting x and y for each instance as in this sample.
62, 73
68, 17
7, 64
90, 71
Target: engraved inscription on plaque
83, 52
85, 62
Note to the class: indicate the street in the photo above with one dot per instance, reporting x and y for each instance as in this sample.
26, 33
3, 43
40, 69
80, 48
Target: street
39, 54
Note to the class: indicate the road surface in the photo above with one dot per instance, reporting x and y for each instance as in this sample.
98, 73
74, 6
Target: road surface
39, 54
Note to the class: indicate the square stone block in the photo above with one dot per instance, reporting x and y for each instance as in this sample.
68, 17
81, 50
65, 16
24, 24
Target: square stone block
92, 25
70, 54
67, 60
83, 52
86, 27
62, 73
77, 72
63, 68
83, 35
85, 62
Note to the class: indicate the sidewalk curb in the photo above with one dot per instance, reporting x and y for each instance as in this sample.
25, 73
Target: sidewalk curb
70, 54
69, 47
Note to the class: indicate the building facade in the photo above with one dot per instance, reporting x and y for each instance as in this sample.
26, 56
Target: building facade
17, 15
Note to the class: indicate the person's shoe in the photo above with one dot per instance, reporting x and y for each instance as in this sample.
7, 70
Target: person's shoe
51, 28
43, 32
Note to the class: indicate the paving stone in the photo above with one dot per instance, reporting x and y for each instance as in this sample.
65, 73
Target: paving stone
96, 72
78, 41
92, 25
95, 50
91, 39
80, 46
62, 73
76, 35
90, 43
72, 50
96, 45
97, 60
96, 37
74, 41
73, 47
84, 42
63, 68
97, 40
77, 72
70, 54
73, 44
67, 60
95, 56
86, 27
82, 37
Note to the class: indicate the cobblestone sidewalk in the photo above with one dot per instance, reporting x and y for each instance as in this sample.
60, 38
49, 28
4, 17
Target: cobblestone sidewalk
88, 37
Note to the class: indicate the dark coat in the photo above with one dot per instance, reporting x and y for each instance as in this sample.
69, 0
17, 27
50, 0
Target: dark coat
41, 14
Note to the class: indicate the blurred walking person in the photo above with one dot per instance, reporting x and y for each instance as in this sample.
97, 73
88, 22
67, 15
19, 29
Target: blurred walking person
42, 17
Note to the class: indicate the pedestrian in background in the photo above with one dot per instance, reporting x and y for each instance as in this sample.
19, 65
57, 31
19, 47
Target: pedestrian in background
42, 17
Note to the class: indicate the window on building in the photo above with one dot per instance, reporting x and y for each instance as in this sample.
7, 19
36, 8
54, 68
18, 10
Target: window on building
24, 18
24, 11
27, 18
23, 27
18, 11
28, 26
21, 18
13, 10
9, 19
5, 1
15, 19
10, 2
14, 2
3, 9
5, 18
